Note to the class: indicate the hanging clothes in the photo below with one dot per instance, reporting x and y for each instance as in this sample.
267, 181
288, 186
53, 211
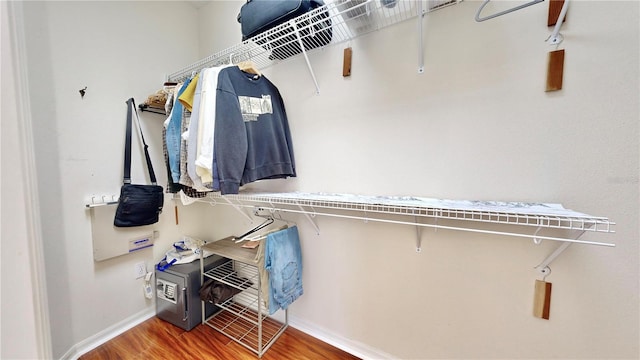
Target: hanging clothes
174, 145
283, 261
187, 96
192, 136
172, 187
206, 128
252, 140
186, 99
226, 128
174, 133
262, 271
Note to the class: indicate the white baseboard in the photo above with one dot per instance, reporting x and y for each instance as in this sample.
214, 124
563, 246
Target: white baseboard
107, 334
355, 348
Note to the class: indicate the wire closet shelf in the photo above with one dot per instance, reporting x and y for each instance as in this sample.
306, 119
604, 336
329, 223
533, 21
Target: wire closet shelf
336, 22
433, 213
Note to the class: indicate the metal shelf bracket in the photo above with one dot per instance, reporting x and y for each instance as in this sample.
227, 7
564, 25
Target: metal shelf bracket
515, 8
556, 38
304, 53
543, 268
536, 239
418, 235
310, 217
237, 207
421, 16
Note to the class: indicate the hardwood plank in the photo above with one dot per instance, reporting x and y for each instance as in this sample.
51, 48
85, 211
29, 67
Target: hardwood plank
296, 345
158, 339
126, 345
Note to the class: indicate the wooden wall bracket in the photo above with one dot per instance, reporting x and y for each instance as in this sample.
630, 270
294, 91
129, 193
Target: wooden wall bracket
542, 299
346, 62
555, 70
555, 7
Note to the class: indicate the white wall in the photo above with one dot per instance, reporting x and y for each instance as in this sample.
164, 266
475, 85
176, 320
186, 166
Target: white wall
25, 328
218, 26
117, 50
476, 125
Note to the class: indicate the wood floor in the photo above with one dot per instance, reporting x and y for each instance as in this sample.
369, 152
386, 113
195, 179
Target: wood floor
158, 339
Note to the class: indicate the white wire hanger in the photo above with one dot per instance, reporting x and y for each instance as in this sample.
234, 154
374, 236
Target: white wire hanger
266, 223
261, 235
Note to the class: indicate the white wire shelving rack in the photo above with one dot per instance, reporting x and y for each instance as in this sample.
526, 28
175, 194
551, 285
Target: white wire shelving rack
336, 22
526, 220
518, 219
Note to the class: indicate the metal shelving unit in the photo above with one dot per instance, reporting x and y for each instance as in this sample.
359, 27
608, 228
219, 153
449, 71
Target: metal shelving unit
243, 317
346, 20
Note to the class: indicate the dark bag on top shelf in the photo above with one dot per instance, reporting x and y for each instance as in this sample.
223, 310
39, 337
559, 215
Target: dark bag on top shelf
258, 16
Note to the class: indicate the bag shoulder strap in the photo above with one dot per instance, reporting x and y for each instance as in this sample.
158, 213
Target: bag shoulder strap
127, 146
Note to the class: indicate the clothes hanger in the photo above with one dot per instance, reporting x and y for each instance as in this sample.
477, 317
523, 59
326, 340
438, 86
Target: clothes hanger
250, 67
270, 215
263, 235
266, 223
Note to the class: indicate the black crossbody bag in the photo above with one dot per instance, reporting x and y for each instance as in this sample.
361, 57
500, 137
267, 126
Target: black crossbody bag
138, 204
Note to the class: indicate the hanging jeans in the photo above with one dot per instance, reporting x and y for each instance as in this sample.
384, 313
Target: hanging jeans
174, 136
283, 260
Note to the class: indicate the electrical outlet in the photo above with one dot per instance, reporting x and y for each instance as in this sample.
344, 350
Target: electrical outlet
140, 270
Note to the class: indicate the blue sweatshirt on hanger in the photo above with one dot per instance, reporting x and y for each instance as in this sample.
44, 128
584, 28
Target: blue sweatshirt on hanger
252, 139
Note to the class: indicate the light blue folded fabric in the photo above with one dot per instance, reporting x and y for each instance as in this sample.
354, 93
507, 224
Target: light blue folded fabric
283, 261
